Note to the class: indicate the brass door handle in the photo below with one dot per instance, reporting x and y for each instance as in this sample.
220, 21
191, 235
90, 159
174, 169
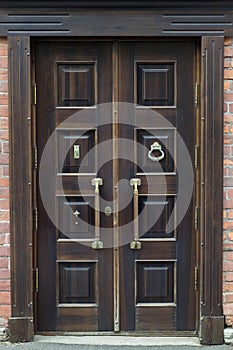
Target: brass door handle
156, 147
136, 244
97, 244
97, 182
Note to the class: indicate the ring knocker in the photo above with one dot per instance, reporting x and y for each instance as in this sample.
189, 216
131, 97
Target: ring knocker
156, 147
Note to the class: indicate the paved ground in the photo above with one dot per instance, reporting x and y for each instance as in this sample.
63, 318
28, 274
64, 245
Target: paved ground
37, 346
112, 343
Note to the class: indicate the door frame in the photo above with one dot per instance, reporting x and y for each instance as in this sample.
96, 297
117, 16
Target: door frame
211, 319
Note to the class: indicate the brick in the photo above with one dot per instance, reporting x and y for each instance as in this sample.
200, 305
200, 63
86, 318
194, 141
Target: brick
4, 204
3, 86
228, 161
228, 139
228, 297
4, 215
229, 193
4, 262
229, 277
228, 73
4, 135
228, 51
3, 99
227, 64
227, 266
226, 85
4, 111
228, 203
3, 122
4, 182
5, 285
5, 147
3, 62
228, 309
5, 310
228, 118
227, 247
4, 227
230, 107
230, 214
227, 287
227, 225
5, 298
228, 96
230, 172
4, 158
4, 192
4, 72
226, 129
3, 49
230, 236
4, 238
4, 251
228, 180
5, 170
229, 256
5, 274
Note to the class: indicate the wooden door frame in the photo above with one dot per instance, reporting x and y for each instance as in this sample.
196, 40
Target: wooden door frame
21, 322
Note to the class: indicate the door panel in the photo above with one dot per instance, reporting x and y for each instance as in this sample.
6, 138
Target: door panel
76, 289
155, 282
159, 277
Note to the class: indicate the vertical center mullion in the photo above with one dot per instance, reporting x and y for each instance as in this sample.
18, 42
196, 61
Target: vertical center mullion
115, 131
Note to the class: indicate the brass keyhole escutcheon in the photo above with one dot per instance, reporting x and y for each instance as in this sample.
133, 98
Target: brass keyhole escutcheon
108, 211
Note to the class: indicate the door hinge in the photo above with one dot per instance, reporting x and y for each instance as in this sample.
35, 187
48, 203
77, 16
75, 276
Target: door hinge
35, 157
36, 279
196, 218
35, 219
197, 94
196, 156
196, 278
34, 94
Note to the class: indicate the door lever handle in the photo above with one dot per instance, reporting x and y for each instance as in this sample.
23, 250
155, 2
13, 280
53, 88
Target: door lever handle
135, 183
97, 244
136, 244
97, 182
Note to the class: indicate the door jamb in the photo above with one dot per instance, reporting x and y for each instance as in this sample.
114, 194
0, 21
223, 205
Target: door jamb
21, 323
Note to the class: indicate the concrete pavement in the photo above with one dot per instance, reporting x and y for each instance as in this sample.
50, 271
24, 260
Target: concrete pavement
111, 343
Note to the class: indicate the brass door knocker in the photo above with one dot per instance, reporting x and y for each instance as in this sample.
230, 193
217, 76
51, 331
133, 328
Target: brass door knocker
156, 147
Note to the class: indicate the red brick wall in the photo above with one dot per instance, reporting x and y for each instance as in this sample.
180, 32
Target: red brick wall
4, 188
228, 186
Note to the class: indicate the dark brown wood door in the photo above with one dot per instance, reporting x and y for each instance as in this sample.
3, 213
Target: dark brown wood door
158, 278
101, 267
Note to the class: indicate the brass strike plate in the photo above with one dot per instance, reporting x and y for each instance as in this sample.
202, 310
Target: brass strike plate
76, 151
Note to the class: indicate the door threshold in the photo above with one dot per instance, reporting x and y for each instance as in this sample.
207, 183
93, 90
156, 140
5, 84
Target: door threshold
119, 340
121, 333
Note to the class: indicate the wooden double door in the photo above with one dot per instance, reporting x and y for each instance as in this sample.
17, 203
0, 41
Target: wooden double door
106, 260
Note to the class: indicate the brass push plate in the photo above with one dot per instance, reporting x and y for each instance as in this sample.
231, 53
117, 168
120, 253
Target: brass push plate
76, 151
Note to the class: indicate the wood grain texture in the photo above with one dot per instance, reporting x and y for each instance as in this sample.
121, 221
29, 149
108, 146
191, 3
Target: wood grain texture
20, 159
163, 21
212, 165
